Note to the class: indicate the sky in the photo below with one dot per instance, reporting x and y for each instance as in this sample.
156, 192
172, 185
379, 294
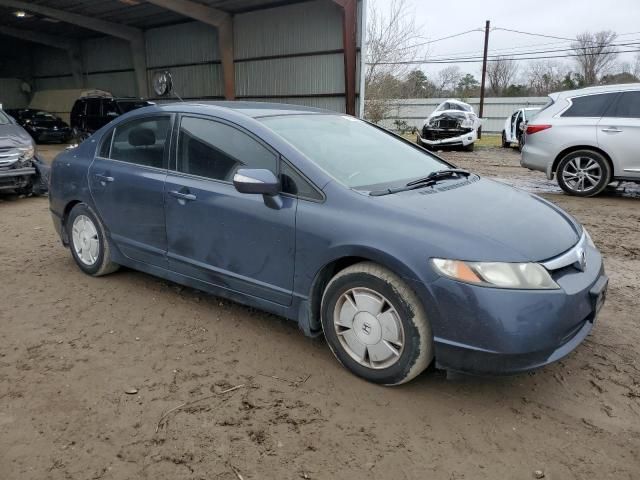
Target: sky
562, 18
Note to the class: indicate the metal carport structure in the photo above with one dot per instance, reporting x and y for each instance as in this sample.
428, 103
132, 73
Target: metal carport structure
295, 51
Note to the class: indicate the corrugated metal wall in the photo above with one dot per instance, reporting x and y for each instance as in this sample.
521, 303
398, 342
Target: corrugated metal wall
496, 110
11, 94
288, 54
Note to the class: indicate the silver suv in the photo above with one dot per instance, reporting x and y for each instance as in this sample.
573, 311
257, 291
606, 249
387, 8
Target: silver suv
587, 138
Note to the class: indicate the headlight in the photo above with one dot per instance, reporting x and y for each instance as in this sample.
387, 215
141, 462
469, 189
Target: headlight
27, 153
467, 123
527, 276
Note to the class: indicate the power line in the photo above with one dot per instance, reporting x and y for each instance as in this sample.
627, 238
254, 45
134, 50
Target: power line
438, 39
511, 55
479, 60
534, 34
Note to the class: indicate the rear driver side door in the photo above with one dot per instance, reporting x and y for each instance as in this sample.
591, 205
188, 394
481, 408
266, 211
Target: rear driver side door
216, 234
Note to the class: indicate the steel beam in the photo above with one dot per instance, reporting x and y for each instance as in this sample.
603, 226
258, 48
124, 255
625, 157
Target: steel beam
219, 19
71, 47
134, 36
350, 46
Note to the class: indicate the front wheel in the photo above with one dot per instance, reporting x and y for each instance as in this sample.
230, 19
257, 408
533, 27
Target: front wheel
583, 173
88, 242
375, 325
468, 148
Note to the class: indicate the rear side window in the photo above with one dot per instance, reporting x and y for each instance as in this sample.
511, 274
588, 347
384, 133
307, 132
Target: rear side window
141, 141
211, 149
590, 105
628, 106
93, 106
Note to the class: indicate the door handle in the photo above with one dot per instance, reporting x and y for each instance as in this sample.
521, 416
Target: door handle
103, 178
612, 130
189, 197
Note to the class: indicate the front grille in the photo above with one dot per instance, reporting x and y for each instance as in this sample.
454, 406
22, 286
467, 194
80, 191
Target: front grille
431, 133
447, 123
8, 156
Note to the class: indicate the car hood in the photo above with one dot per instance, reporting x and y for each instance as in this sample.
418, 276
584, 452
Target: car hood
484, 220
14, 136
454, 115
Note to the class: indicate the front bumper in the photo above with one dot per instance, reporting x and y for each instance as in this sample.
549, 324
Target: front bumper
458, 139
13, 178
490, 331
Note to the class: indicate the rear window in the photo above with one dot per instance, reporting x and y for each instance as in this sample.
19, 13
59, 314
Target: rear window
590, 105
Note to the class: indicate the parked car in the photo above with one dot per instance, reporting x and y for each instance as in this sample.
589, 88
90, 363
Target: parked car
587, 138
42, 126
452, 124
396, 255
20, 170
514, 127
94, 110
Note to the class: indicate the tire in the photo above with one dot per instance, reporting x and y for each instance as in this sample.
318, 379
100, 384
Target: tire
505, 144
98, 261
583, 173
469, 148
405, 350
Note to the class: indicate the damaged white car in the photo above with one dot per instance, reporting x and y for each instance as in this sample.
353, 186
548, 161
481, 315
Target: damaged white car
452, 124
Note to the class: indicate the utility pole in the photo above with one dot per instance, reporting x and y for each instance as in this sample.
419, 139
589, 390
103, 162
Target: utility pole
484, 73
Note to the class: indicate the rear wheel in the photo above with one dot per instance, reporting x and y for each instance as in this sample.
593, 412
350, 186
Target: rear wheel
375, 325
88, 243
583, 173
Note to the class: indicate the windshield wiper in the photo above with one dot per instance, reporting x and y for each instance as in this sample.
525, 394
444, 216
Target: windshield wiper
430, 179
438, 174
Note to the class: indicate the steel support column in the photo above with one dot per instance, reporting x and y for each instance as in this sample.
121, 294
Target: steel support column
350, 45
219, 19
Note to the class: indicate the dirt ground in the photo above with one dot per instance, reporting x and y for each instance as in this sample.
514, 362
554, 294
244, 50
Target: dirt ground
72, 346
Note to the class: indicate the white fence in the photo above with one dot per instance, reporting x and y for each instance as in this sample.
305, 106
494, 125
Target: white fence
496, 110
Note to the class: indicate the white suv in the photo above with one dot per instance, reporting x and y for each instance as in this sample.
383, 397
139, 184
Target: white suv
587, 138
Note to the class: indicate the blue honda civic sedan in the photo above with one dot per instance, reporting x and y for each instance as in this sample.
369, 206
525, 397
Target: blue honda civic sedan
398, 257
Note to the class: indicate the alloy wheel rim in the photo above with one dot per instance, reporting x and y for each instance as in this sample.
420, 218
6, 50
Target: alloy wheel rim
85, 240
369, 328
582, 174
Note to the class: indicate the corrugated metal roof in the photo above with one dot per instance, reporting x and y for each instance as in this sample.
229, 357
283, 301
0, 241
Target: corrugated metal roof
135, 13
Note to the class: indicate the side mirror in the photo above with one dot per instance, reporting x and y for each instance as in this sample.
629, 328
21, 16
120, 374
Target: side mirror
256, 180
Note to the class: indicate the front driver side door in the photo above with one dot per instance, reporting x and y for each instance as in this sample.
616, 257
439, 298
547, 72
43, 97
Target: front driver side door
216, 234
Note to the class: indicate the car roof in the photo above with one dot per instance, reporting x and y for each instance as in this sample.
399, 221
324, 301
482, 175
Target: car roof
250, 109
621, 87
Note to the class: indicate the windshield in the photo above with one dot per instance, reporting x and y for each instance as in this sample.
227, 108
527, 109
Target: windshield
4, 119
355, 153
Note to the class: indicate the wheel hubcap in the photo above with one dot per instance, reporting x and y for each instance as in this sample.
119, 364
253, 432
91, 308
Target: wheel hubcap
368, 328
582, 174
85, 240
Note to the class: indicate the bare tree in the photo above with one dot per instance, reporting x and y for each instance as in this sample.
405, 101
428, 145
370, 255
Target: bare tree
595, 54
392, 36
448, 79
500, 73
545, 76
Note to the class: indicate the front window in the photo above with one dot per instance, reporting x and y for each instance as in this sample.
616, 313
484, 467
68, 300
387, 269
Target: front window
355, 153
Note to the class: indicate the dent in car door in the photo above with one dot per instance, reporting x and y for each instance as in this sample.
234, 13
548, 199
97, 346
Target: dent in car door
127, 185
218, 235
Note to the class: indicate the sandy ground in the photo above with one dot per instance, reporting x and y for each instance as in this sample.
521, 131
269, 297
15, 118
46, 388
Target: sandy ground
72, 346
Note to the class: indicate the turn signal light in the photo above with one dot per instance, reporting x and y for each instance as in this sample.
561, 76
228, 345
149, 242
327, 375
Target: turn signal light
531, 129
